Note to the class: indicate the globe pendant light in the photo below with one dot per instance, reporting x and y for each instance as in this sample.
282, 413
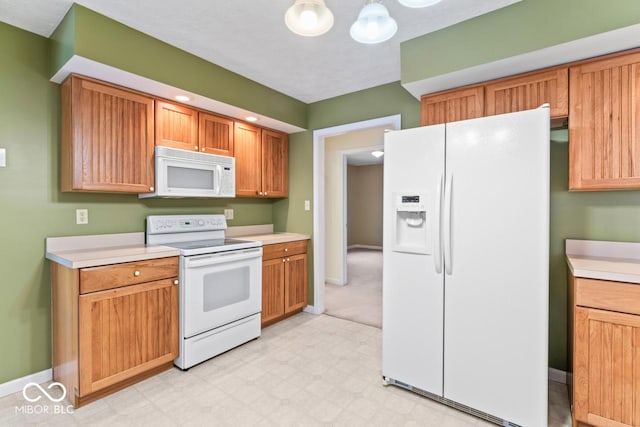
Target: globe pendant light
374, 25
309, 18
418, 3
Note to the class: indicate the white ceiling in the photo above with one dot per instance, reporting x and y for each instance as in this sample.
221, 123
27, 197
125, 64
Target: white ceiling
364, 158
249, 37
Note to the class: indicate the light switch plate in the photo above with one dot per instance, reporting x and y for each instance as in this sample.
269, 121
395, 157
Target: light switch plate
307, 205
228, 213
3, 157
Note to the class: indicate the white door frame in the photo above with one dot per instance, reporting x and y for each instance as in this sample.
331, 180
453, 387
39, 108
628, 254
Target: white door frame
393, 122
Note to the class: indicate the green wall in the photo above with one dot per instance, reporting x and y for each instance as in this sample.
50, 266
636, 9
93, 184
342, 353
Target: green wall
520, 28
32, 208
93, 36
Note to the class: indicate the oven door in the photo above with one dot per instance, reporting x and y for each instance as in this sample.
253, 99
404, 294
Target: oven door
220, 288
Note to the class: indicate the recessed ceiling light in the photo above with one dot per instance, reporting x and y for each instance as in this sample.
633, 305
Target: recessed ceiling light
377, 153
251, 119
183, 98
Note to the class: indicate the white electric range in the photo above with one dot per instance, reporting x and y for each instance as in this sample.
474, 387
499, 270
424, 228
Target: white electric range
220, 284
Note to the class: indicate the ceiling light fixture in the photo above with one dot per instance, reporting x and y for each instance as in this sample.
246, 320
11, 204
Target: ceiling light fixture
418, 3
374, 25
377, 154
309, 18
182, 98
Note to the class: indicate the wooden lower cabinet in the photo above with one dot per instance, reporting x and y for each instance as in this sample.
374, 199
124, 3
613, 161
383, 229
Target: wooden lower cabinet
284, 280
107, 339
605, 353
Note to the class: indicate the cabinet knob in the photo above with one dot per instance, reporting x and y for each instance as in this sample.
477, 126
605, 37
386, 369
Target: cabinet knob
175, 282
286, 249
151, 188
196, 147
136, 273
202, 149
288, 259
260, 193
265, 193
284, 260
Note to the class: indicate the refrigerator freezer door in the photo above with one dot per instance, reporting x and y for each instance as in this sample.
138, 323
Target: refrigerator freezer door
496, 297
412, 287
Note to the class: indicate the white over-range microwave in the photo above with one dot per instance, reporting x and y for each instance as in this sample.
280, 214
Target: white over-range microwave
182, 173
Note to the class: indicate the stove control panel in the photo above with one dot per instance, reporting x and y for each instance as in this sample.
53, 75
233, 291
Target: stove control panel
162, 224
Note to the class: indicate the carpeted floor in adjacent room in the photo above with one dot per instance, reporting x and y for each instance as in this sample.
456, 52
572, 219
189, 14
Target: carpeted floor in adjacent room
361, 299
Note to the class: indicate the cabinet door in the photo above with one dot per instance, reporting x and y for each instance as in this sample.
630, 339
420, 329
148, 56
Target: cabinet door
215, 134
529, 91
126, 331
248, 153
273, 276
176, 126
604, 130
275, 164
452, 105
605, 368
295, 290
107, 138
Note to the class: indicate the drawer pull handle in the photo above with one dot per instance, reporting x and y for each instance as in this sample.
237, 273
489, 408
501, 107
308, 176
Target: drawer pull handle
175, 282
136, 273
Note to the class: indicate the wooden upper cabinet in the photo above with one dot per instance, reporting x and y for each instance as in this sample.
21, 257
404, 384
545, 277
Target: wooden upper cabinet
176, 126
604, 125
107, 138
247, 149
215, 134
528, 91
452, 105
275, 164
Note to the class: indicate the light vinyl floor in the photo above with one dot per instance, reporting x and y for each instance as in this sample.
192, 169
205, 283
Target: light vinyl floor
305, 371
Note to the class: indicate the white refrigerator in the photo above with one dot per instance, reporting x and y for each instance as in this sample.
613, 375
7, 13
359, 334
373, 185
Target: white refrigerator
465, 264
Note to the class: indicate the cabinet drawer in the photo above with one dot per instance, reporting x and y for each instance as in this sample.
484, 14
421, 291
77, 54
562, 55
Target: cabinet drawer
114, 276
280, 250
607, 295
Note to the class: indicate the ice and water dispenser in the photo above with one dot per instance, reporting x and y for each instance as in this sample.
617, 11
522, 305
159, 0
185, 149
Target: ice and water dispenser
412, 223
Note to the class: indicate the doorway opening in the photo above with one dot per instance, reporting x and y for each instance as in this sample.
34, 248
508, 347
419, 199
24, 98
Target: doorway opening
323, 241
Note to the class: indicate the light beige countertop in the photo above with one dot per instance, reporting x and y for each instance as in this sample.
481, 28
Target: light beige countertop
103, 249
263, 233
615, 261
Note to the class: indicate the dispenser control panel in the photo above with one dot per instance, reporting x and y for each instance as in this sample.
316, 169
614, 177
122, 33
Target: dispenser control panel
412, 231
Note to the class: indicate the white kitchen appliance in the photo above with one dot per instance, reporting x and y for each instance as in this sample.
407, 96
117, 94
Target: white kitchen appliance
182, 173
465, 264
220, 284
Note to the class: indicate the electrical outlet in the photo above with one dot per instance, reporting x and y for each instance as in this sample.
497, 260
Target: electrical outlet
82, 216
228, 213
3, 157
307, 205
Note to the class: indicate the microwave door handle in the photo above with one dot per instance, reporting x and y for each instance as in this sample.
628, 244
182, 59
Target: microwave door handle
218, 178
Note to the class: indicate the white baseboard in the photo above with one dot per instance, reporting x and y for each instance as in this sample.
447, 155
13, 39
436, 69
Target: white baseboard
557, 375
311, 309
18, 384
331, 281
375, 248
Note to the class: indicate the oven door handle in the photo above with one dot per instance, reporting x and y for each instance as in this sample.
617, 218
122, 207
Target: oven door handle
213, 259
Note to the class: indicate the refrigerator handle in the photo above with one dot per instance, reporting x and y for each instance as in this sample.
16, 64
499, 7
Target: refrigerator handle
448, 263
437, 259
